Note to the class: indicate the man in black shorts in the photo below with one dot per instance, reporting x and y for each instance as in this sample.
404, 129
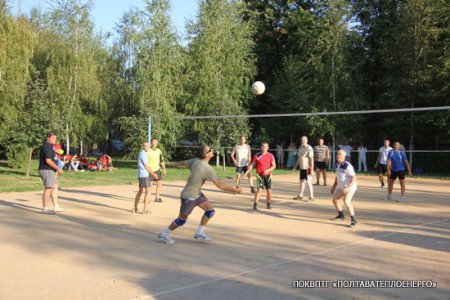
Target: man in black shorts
265, 164
192, 196
321, 157
381, 162
397, 163
241, 157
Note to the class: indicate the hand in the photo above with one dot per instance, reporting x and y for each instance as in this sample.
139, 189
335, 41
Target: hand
155, 176
60, 171
312, 172
238, 190
409, 173
165, 172
235, 163
345, 191
332, 190
375, 166
265, 172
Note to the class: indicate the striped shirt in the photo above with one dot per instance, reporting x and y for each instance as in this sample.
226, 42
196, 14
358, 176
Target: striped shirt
320, 153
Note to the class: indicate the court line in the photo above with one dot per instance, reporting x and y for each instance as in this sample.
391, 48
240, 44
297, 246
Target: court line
283, 262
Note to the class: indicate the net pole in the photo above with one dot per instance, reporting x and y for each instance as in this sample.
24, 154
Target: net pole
149, 128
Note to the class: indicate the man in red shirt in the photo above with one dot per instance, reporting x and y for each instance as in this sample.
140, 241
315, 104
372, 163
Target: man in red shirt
265, 164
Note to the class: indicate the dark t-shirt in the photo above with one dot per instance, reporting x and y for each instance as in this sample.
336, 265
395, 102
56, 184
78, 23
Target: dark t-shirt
47, 151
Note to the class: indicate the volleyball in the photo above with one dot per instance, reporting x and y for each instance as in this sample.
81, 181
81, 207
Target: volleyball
258, 88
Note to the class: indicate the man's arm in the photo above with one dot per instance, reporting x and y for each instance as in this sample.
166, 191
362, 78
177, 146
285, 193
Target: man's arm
163, 165
388, 167
333, 188
225, 187
233, 158
181, 163
378, 159
273, 166
311, 161
249, 155
408, 166
249, 169
52, 165
147, 167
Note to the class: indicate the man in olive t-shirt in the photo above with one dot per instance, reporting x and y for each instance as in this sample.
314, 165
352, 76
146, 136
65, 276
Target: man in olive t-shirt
192, 196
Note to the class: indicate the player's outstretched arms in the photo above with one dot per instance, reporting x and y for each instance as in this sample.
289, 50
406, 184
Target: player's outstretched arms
225, 187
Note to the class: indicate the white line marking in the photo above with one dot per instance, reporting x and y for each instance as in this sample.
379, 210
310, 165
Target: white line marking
283, 262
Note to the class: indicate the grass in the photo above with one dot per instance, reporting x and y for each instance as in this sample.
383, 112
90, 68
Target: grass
13, 180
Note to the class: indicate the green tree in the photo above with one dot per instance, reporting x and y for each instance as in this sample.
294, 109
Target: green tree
221, 67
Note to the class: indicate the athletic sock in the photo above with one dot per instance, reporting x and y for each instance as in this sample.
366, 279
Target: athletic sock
200, 229
166, 231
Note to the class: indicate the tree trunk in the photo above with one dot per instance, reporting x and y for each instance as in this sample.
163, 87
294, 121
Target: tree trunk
29, 164
224, 159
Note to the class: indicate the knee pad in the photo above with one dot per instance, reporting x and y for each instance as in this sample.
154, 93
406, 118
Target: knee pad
210, 213
179, 222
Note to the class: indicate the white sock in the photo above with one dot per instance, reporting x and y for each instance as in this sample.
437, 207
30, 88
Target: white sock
201, 229
166, 231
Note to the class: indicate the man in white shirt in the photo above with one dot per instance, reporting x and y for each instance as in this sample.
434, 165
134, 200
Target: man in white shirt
381, 162
344, 187
305, 162
362, 150
242, 157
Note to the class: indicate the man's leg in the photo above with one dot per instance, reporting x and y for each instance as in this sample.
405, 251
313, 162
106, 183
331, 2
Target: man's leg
237, 180
348, 203
302, 187
137, 198
402, 187
324, 176
359, 163
55, 199
45, 198
158, 190
147, 196
390, 188
256, 200
209, 213
250, 182
269, 196
317, 176
310, 188
380, 177
337, 196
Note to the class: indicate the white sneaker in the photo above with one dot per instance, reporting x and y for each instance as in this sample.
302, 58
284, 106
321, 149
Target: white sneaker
401, 199
381, 187
388, 197
202, 237
165, 238
47, 211
58, 209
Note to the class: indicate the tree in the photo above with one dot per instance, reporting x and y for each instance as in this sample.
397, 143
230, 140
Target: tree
220, 69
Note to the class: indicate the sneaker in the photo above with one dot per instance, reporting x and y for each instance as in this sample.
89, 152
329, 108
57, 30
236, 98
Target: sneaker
255, 206
165, 238
253, 190
339, 217
324, 184
353, 223
310, 199
269, 206
298, 198
401, 199
47, 211
381, 187
58, 209
202, 237
158, 200
388, 197
147, 211
316, 183
134, 210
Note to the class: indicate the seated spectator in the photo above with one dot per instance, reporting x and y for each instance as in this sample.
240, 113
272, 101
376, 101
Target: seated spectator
92, 165
84, 162
109, 165
74, 163
66, 160
102, 163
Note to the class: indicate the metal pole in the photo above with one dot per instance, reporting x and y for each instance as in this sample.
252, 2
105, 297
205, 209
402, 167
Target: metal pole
149, 128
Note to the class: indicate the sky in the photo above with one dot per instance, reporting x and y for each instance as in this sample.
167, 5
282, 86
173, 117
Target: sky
106, 13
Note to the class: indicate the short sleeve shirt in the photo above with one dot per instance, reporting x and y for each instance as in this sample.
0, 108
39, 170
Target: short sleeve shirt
141, 161
304, 154
47, 152
263, 161
320, 153
242, 153
200, 172
384, 154
344, 174
397, 159
155, 158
